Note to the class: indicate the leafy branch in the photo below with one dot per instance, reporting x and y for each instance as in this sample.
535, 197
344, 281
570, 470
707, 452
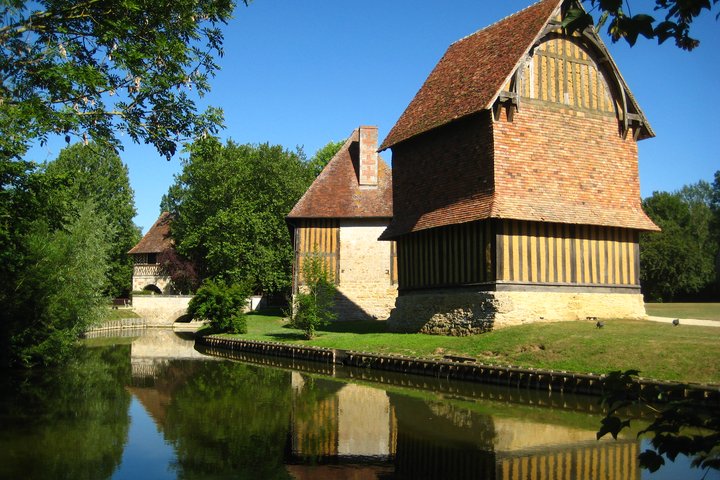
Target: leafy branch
621, 23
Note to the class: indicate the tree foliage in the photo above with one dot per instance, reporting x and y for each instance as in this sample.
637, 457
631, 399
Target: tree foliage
94, 173
323, 156
676, 16
56, 290
680, 426
229, 205
222, 305
680, 260
182, 272
94, 69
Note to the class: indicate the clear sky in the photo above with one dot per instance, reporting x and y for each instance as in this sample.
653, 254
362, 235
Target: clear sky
305, 73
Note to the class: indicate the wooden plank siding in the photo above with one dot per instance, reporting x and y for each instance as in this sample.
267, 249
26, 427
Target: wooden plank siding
320, 237
453, 255
537, 252
561, 71
513, 251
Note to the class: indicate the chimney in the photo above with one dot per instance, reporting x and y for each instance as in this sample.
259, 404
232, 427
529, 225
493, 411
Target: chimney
368, 156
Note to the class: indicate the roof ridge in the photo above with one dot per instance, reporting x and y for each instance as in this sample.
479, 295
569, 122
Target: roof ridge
506, 17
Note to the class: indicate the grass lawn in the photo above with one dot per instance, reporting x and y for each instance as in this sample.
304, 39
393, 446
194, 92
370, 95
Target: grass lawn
700, 311
658, 350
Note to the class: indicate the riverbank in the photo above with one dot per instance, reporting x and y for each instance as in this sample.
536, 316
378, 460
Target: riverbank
452, 369
659, 351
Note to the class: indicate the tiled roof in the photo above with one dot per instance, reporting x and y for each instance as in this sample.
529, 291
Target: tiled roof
336, 192
471, 209
157, 239
472, 72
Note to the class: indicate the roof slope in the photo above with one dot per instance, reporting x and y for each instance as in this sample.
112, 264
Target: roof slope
157, 239
336, 192
472, 72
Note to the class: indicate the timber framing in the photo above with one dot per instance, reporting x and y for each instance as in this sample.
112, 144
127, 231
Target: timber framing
516, 190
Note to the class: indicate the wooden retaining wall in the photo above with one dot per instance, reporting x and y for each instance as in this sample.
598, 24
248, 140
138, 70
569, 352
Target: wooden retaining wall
510, 376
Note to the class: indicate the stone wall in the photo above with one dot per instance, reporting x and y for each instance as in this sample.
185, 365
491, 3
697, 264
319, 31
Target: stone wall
364, 287
467, 313
160, 310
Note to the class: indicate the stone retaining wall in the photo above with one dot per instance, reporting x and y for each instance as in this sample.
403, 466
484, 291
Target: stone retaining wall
161, 310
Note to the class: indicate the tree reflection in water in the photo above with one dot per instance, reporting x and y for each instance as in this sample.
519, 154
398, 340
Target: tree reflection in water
68, 423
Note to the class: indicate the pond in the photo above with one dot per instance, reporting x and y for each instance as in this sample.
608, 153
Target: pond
150, 405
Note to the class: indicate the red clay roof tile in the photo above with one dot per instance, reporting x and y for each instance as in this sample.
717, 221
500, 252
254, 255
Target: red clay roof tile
336, 192
157, 239
472, 72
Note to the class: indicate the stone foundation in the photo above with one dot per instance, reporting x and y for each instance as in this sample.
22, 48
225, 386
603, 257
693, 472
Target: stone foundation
469, 313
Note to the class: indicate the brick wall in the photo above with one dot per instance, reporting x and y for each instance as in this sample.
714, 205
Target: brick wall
437, 173
554, 163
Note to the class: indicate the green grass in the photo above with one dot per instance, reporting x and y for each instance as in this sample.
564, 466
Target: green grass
700, 311
658, 350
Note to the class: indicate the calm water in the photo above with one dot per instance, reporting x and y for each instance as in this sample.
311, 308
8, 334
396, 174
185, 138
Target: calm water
151, 406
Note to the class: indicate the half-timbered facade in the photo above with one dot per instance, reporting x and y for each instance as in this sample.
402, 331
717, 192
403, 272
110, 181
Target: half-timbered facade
148, 274
340, 218
516, 190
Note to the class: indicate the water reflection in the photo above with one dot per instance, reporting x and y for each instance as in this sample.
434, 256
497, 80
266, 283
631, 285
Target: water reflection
69, 424
228, 419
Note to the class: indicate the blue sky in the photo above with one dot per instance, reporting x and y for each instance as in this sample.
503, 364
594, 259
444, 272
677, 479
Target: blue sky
305, 73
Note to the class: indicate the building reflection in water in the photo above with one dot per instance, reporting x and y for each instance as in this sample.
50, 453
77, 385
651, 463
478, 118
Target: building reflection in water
340, 430
376, 434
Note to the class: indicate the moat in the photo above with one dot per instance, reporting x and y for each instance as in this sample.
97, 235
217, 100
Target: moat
150, 405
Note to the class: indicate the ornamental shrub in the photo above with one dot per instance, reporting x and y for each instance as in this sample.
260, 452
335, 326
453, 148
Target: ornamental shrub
313, 305
222, 305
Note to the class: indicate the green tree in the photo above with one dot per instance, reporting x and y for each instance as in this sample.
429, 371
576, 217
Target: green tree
679, 259
323, 156
677, 17
715, 227
229, 205
56, 291
313, 304
96, 173
92, 69
222, 305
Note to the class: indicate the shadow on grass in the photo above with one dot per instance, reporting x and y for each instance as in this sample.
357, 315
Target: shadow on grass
269, 312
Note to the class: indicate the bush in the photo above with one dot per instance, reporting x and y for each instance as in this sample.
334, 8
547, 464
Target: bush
314, 302
223, 306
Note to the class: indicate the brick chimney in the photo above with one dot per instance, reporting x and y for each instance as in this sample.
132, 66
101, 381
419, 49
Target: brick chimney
368, 156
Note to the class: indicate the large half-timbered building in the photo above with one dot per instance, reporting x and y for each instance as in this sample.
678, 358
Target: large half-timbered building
515, 179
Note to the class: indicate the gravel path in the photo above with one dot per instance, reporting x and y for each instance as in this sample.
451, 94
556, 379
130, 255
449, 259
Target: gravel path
687, 321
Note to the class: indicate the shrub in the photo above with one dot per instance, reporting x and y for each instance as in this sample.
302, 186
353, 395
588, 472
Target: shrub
223, 306
314, 302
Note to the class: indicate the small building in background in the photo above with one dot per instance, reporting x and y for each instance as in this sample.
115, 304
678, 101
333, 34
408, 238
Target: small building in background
340, 218
515, 178
148, 274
